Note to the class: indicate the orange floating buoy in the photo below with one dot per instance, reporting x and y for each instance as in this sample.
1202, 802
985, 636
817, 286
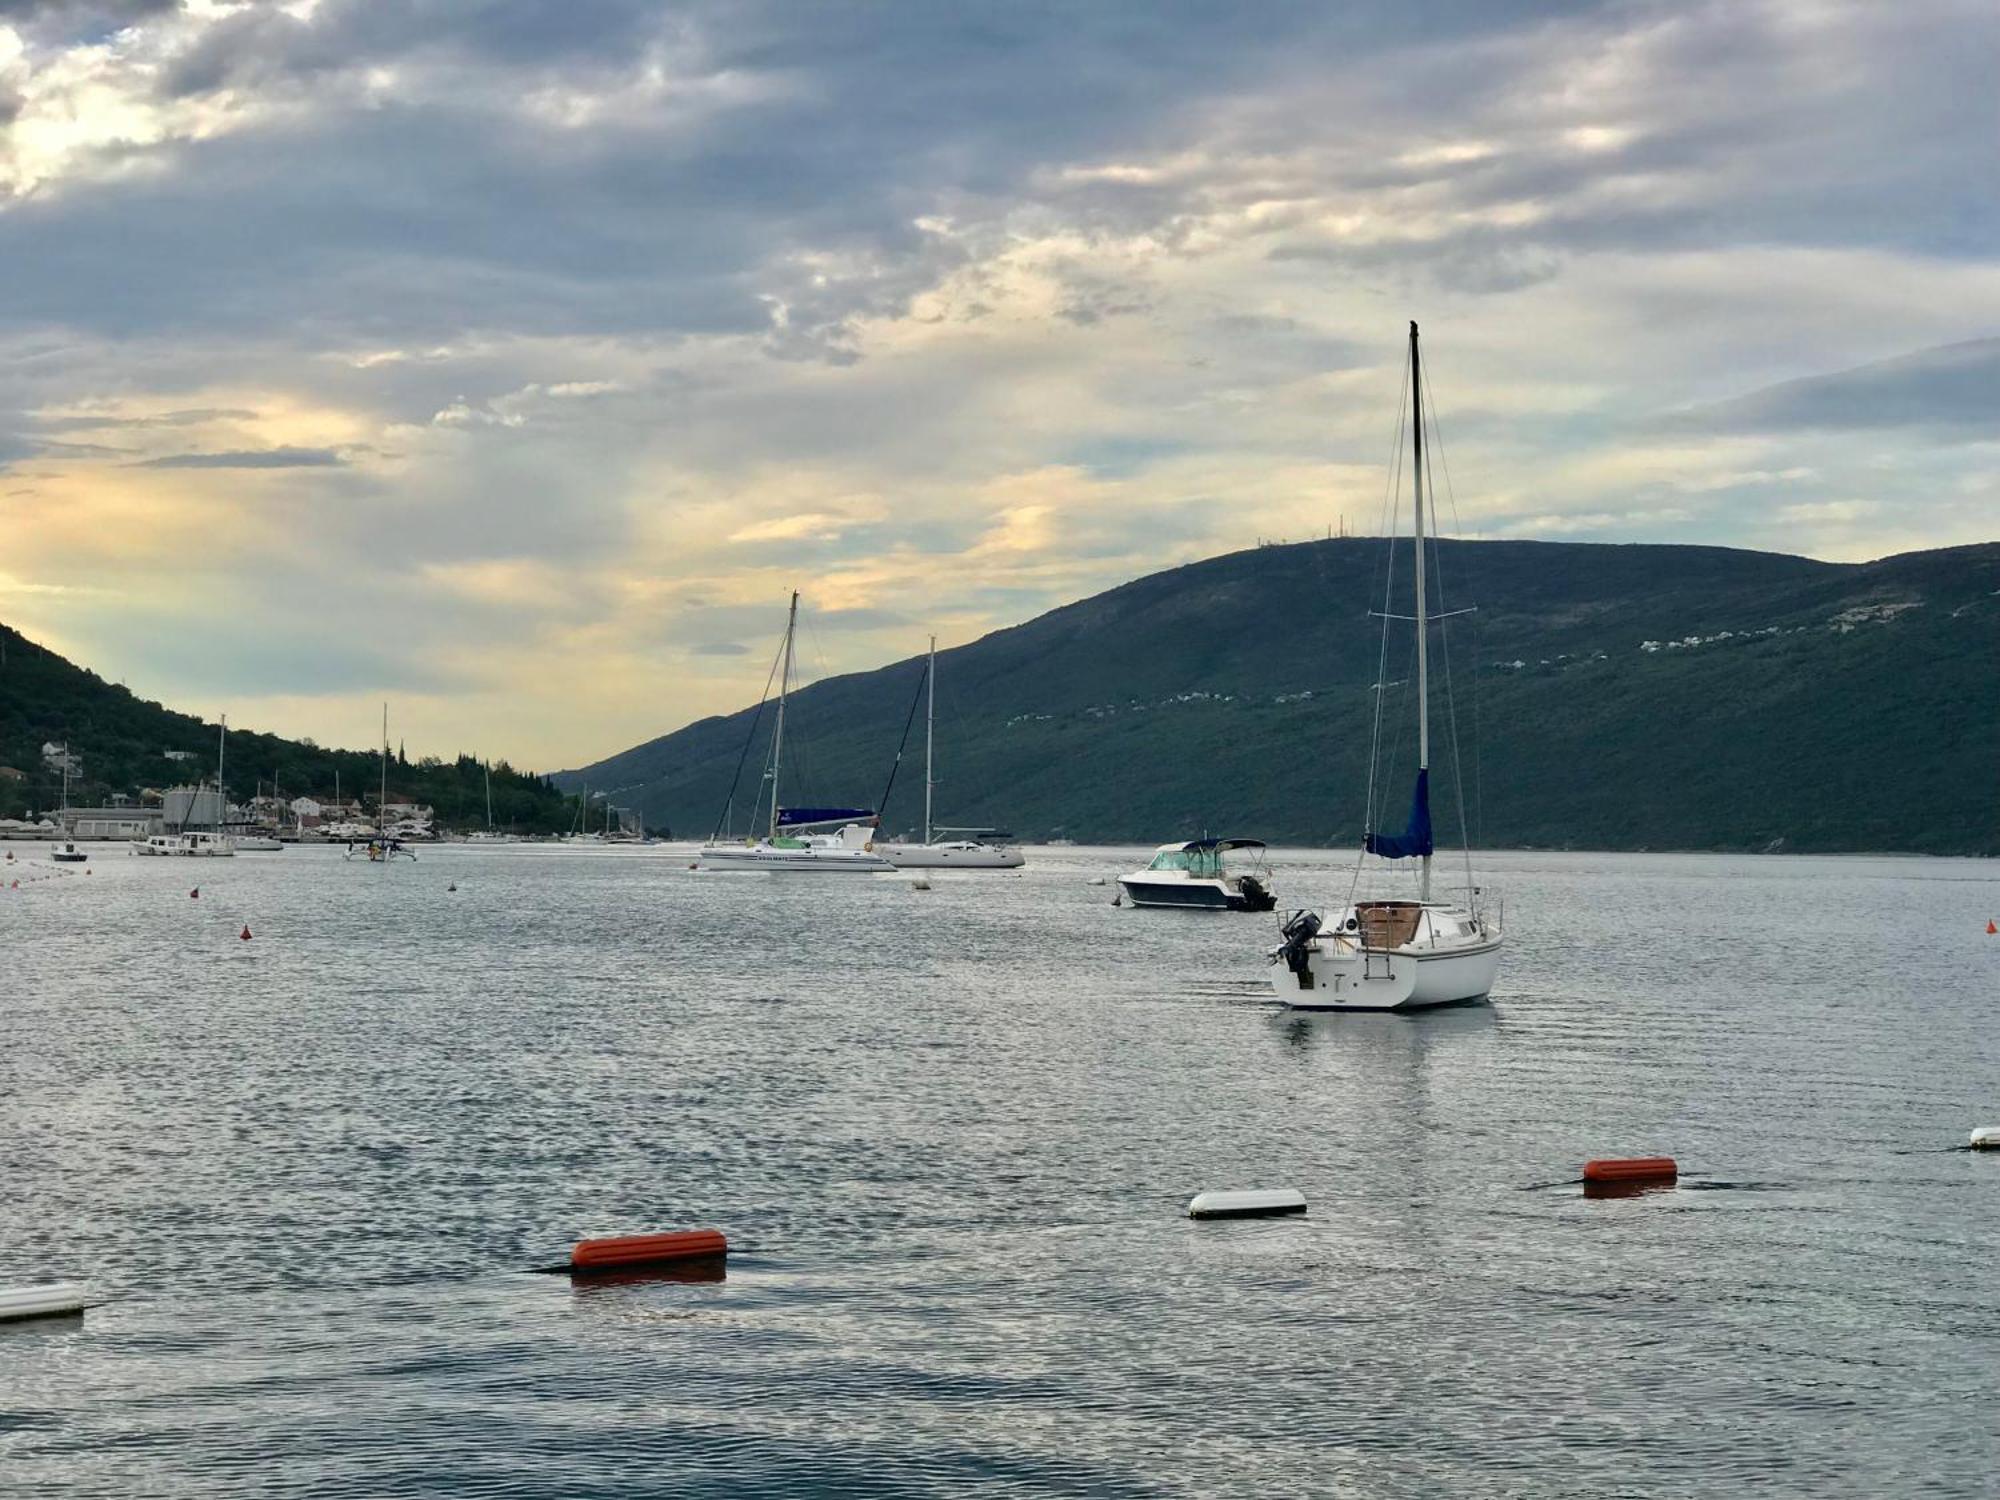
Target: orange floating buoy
1631, 1169
627, 1251
246, 932
1990, 928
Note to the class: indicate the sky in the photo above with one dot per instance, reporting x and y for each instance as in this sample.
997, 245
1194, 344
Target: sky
510, 362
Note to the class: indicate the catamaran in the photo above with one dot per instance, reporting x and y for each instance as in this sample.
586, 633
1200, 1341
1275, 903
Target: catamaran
1388, 952
966, 852
797, 840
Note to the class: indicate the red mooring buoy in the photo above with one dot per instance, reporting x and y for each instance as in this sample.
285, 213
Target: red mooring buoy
246, 932
1622, 1169
1990, 928
629, 1251
195, 894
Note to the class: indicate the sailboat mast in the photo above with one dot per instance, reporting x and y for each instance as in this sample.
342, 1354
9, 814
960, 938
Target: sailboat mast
489, 796
382, 800
1423, 624
930, 735
221, 751
784, 691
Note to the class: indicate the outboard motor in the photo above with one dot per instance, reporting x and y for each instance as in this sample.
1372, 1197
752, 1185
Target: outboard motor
1299, 930
1256, 895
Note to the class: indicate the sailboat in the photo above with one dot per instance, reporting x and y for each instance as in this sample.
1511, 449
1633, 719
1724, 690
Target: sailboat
797, 840
490, 835
194, 844
1388, 953
66, 852
250, 842
382, 848
966, 852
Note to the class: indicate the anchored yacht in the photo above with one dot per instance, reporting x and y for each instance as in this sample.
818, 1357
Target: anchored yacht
1392, 953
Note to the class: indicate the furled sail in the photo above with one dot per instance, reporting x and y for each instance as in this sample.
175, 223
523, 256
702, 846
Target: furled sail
1415, 839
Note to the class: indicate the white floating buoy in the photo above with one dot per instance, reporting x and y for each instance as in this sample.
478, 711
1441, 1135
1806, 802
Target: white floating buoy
1098, 880
1986, 1138
1250, 1203
920, 884
53, 1299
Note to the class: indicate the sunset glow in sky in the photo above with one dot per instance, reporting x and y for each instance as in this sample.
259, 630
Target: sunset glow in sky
510, 361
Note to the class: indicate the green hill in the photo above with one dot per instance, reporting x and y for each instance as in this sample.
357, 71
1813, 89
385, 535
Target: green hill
1614, 697
123, 742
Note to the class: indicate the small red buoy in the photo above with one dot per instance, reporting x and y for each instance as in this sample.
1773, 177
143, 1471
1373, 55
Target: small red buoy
195, 894
1631, 1169
246, 932
626, 1251
1990, 928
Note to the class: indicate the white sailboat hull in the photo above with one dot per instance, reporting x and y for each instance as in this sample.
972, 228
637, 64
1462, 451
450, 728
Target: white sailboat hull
958, 856
1345, 978
806, 861
1390, 956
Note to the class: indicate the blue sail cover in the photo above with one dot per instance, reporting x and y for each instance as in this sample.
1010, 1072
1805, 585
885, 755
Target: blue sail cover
1414, 840
806, 817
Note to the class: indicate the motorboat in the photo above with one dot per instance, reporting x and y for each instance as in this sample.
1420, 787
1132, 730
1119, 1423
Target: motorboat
192, 845
66, 853
1201, 874
257, 843
1394, 952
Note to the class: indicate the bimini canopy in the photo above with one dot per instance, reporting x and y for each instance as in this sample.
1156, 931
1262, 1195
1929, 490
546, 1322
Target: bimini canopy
1201, 858
814, 817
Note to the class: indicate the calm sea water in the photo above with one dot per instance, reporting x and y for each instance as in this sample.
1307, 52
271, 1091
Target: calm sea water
951, 1135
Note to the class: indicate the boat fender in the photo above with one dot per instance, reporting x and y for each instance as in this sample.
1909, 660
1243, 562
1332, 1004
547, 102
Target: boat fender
1986, 1138
1252, 1203
1631, 1169
51, 1299
626, 1251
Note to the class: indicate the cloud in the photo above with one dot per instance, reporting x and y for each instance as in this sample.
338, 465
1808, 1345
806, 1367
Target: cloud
1955, 388
264, 458
559, 318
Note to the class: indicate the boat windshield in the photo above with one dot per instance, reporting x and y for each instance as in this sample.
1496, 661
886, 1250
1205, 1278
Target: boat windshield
1203, 864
